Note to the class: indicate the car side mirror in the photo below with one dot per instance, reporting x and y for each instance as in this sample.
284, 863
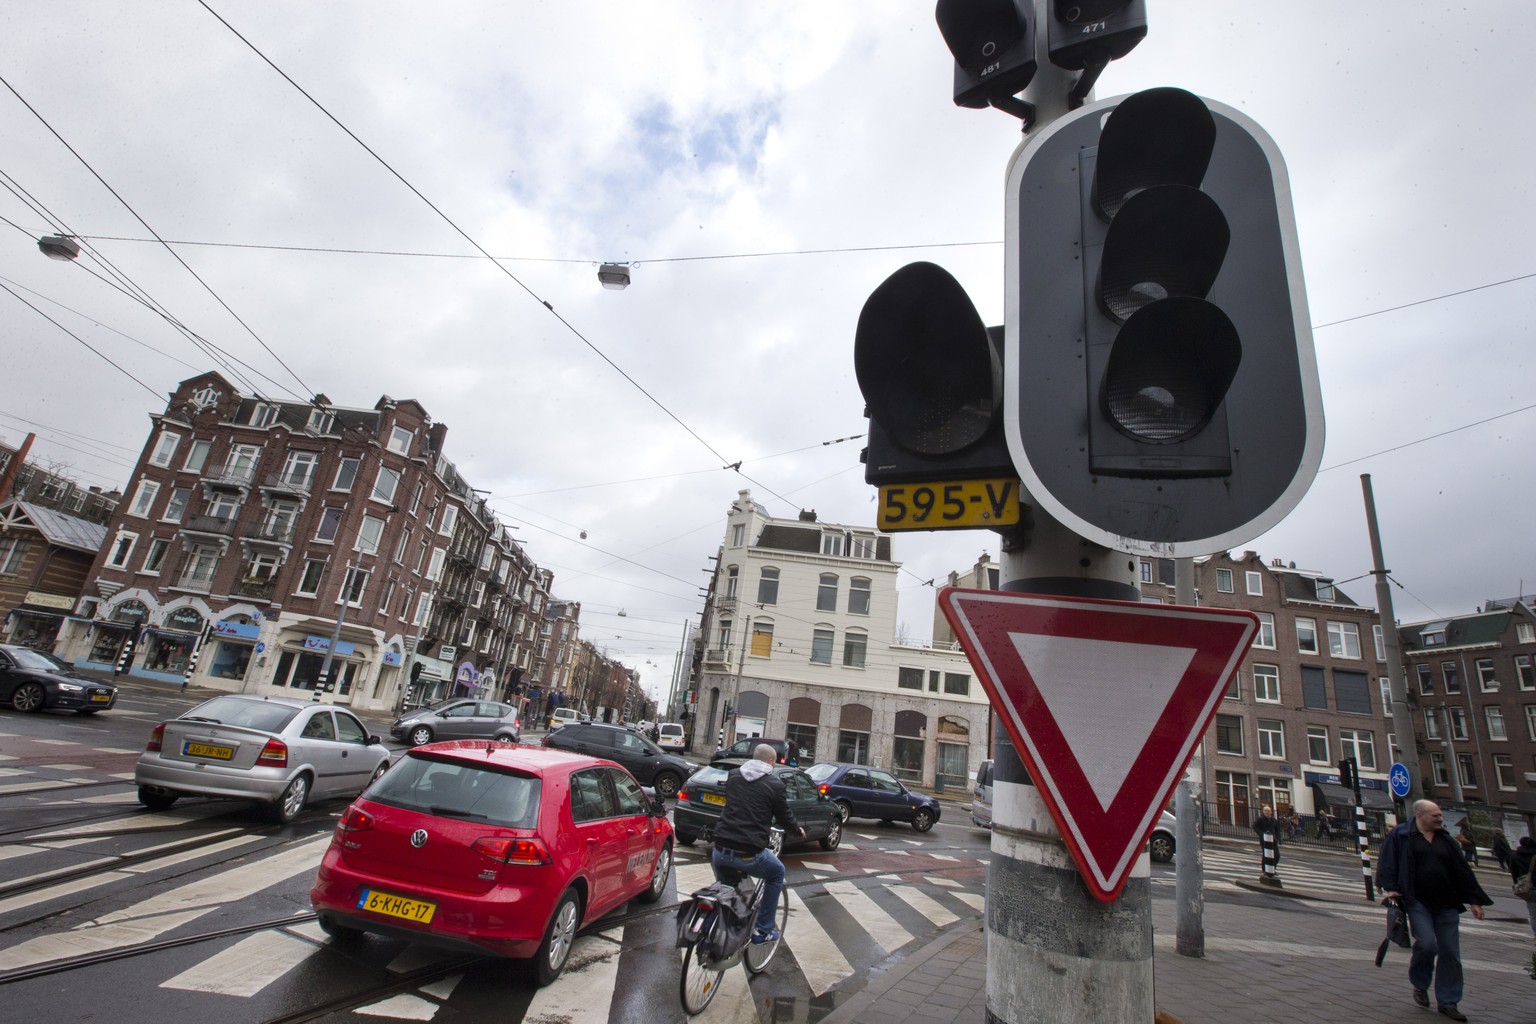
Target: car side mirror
371, 740
658, 806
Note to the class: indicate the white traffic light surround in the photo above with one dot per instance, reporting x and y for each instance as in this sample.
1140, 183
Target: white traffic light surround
1272, 410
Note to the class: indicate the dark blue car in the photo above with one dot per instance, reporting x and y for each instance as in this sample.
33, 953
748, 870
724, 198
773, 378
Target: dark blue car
864, 792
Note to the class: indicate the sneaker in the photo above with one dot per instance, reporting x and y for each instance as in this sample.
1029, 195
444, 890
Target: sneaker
759, 937
1421, 996
1449, 1009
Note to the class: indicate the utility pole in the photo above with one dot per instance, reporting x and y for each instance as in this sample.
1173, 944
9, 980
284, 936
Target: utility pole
1397, 681
330, 650
1189, 865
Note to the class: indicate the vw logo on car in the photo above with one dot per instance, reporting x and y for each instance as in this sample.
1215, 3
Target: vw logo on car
419, 838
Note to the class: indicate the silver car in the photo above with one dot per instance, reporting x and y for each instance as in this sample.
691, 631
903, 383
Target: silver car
462, 719
278, 750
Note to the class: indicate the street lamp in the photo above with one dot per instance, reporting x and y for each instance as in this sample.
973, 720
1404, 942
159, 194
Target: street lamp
59, 247
614, 276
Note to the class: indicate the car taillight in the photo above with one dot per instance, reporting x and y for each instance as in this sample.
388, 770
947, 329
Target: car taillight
354, 820
823, 789
505, 850
682, 795
273, 755
156, 739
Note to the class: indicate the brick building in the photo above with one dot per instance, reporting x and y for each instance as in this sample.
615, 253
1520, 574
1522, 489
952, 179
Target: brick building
45, 557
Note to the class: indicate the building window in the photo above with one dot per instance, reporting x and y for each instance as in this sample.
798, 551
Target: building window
144, 499
762, 639
357, 582
198, 572
241, 463
1352, 692
1306, 636
299, 469
768, 587
165, 449
1432, 723
1458, 723
1379, 641
909, 678
732, 578
861, 547
858, 596
1224, 581
854, 646
1276, 792
1324, 590
435, 566
309, 582
1266, 684
1266, 635
1344, 639
1495, 717
346, 474
738, 535
822, 640
1146, 572
1384, 683
832, 545
1229, 735
1426, 681
1271, 740
450, 520
320, 421
176, 505
263, 415
1452, 676
400, 441
385, 485
1485, 677
1235, 687
1317, 744
1504, 771
1437, 767
1360, 745
121, 549
1525, 632
330, 523
957, 684
155, 557
368, 535
197, 456
826, 593
1465, 769
1255, 583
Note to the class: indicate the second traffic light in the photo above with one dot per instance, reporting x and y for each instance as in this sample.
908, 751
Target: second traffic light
1161, 387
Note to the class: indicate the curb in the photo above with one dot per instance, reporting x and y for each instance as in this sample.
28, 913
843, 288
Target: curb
872, 993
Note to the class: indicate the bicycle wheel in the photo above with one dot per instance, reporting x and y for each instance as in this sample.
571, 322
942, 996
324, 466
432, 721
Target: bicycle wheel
758, 954
699, 982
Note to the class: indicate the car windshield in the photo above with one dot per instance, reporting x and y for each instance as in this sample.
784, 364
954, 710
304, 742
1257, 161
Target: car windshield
243, 712
821, 772
455, 789
25, 658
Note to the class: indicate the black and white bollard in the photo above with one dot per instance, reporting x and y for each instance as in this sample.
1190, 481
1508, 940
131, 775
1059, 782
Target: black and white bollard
1269, 846
1363, 842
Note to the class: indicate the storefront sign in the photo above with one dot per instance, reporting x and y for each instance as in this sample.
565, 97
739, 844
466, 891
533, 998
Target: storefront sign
321, 643
236, 629
131, 612
186, 619
392, 658
42, 600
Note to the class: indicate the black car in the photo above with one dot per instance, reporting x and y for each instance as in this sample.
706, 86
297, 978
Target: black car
702, 798
647, 762
864, 792
740, 752
31, 681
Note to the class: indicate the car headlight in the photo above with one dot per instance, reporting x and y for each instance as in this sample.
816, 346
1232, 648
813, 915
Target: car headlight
69, 687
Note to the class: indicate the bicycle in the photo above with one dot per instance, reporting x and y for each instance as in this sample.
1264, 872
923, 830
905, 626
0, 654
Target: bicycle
697, 921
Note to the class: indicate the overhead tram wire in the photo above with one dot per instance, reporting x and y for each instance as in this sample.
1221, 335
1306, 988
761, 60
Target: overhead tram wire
102, 355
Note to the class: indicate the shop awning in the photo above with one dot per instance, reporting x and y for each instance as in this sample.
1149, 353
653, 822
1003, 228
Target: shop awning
1338, 797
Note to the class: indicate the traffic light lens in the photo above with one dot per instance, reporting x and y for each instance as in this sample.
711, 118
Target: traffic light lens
1165, 241
1156, 137
1170, 369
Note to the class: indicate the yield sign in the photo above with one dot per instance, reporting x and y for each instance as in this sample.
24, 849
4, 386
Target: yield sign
1104, 700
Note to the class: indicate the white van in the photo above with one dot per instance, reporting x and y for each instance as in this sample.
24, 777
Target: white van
671, 736
563, 716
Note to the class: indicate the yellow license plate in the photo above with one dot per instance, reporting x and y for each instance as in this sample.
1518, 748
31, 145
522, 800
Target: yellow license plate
713, 798
949, 505
101, 698
209, 750
390, 905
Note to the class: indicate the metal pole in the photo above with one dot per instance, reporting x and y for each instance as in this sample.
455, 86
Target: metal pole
330, 648
1189, 863
1397, 681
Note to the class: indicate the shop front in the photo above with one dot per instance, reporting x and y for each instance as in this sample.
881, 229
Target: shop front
300, 659
107, 636
35, 622
234, 641
168, 646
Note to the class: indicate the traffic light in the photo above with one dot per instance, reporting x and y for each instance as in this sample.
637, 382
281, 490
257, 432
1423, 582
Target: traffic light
931, 375
415, 672
1161, 386
1085, 35
993, 42
1349, 778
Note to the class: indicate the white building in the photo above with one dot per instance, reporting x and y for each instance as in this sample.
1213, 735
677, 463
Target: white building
798, 641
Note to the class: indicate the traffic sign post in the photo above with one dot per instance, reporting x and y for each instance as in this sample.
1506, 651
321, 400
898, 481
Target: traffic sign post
1105, 702
1401, 781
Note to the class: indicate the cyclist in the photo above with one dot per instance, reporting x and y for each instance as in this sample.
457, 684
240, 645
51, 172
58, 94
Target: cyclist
754, 803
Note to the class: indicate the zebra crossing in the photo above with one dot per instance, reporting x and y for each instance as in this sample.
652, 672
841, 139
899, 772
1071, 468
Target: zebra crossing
1225, 865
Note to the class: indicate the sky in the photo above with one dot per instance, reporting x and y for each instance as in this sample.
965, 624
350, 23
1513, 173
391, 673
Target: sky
330, 178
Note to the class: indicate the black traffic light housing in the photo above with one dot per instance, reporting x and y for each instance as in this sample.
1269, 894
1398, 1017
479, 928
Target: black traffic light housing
1085, 35
1349, 777
931, 375
1161, 385
416, 668
993, 43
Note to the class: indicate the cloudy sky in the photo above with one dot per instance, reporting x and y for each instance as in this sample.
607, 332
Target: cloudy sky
764, 167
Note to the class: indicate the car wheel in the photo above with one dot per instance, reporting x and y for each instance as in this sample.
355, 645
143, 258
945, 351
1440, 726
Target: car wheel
686, 838
923, 819
659, 877
844, 809
338, 931
667, 784
1161, 847
292, 801
28, 697
420, 734
504, 737
555, 950
155, 798
834, 838
378, 773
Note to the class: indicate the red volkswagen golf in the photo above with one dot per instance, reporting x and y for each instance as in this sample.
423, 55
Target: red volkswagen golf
495, 849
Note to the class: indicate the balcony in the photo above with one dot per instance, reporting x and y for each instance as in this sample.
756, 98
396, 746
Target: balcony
198, 581
231, 476
716, 657
279, 532
289, 483
255, 588
217, 526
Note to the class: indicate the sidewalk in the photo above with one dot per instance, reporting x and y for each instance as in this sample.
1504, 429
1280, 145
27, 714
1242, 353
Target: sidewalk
1267, 961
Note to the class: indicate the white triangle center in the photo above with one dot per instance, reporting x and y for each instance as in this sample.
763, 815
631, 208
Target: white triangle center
1105, 697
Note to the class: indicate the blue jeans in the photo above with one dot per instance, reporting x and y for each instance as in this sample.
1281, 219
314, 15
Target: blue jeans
1436, 952
765, 866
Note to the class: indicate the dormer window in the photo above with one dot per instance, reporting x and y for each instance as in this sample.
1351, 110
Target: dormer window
263, 415
1325, 590
1433, 634
321, 421
400, 441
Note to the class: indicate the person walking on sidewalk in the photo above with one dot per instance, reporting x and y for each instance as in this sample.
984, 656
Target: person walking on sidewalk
1423, 865
1501, 850
1519, 863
